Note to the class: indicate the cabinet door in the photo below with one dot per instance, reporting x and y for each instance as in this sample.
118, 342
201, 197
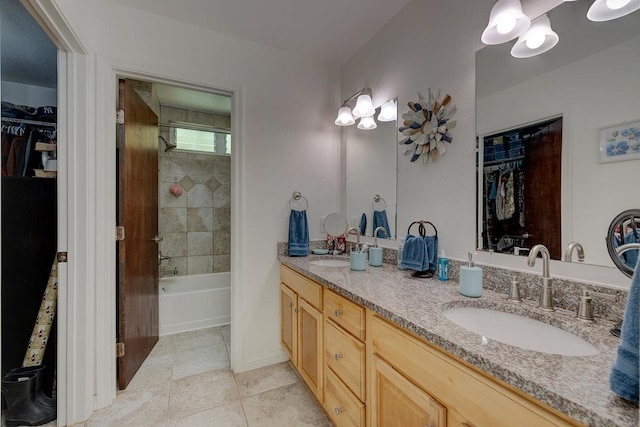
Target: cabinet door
310, 348
288, 322
398, 402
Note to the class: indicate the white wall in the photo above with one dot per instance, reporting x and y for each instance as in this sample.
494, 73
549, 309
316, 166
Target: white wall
432, 44
598, 192
284, 145
33, 96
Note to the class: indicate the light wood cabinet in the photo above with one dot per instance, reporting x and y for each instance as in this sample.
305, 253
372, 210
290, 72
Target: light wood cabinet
470, 396
301, 327
345, 356
343, 407
367, 371
395, 401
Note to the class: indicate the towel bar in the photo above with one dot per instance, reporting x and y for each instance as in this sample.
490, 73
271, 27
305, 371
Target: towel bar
377, 199
421, 229
297, 196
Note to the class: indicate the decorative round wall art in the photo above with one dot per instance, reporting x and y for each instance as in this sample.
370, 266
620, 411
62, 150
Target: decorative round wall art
426, 126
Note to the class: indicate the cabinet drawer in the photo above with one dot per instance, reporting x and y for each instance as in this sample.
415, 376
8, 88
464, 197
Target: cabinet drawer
349, 315
343, 407
346, 356
472, 395
306, 289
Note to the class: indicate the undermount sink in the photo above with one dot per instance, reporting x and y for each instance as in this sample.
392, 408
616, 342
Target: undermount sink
519, 331
330, 263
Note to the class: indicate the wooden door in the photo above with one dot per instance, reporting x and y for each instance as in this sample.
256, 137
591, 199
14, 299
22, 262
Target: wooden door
138, 323
288, 323
398, 402
310, 347
542, 191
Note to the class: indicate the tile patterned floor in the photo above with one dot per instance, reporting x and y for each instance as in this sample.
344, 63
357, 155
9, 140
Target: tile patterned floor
187, 382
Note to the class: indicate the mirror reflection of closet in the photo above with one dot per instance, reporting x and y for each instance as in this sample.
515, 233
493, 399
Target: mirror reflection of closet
591, 79
520, 174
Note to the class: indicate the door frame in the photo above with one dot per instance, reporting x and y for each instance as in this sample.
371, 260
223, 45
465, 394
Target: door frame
107, 75
74, 364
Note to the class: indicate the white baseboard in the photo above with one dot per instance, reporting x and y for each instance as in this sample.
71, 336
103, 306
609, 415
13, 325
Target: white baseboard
277, 357
191, 326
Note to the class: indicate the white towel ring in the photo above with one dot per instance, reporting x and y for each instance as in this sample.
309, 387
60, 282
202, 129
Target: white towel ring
377, 199
297, 196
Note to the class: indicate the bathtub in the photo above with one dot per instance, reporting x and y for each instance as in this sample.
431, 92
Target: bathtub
194, 302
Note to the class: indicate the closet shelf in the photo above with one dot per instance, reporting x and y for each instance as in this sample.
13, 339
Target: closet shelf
41, 173
44, 146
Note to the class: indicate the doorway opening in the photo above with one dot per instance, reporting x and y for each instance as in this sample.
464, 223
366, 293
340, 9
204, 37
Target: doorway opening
194, 149
30, 215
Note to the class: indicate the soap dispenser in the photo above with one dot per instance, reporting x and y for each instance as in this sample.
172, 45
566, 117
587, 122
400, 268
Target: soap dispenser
471, 279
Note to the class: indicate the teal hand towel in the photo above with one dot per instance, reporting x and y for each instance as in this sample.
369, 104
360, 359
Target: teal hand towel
624, 374
380, 220
298, 233
414, 253
431, 258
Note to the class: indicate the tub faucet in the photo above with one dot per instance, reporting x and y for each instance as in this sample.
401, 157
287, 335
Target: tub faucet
375, 235
354, 230
578, 247
546, 297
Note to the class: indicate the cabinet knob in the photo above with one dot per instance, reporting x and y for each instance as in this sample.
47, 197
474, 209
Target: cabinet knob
337, 312
338, 411
296, 310
338, 356
290, 304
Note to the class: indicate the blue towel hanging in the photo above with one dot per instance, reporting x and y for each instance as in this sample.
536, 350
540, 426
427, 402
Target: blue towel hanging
380, 220
298, 233
414, 253
363, 224
624, 373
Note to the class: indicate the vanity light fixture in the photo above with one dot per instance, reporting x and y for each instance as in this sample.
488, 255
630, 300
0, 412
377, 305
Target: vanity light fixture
363, 110
388, 111
345, 118
364, 105
367, 123
606, 10
506, 22
538, 39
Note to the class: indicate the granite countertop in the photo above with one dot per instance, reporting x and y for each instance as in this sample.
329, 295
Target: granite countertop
576, 386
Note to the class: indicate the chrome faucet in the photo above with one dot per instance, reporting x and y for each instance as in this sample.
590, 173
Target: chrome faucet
350, 230
375, 235
546, 297
578, 247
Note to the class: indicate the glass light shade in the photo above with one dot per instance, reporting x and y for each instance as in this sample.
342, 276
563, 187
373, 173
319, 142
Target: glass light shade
506, 22
388, 111
538, 39
364, 106
603, 10
344, 117
367, 123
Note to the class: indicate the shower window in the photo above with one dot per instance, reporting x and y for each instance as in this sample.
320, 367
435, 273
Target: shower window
208, 141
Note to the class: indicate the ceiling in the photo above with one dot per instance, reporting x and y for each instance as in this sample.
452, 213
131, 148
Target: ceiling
28, 56
326, 30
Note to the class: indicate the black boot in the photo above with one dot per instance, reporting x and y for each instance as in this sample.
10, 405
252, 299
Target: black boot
41, 398
22, 408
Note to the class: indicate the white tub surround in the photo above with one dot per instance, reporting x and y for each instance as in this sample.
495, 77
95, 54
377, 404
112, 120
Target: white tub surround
194, 302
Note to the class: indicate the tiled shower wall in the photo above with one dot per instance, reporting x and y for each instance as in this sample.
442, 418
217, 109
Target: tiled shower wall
195, 226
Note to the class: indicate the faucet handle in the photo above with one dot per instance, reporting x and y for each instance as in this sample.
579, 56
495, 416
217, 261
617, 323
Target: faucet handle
585, 311
514, 288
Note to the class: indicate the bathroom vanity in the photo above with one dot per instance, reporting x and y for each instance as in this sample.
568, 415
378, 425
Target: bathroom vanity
376, 349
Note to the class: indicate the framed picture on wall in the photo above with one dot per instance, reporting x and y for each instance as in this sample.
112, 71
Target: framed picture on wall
620, 142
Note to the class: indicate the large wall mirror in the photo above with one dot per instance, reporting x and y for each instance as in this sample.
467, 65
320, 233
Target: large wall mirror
370, 172
591, 81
